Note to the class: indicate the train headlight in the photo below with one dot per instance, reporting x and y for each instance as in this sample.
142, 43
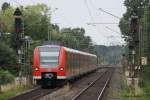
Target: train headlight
36, 69
61, 69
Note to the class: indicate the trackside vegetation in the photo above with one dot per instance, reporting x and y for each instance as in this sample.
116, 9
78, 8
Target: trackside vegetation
142, 10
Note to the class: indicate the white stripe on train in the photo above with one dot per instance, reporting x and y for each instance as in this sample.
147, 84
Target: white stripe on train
58, 77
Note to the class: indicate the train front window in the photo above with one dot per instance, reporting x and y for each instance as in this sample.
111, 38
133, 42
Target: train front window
49, 57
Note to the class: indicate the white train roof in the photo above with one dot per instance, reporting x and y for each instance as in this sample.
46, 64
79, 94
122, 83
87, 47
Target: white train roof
70, 50
77, 51
49, 46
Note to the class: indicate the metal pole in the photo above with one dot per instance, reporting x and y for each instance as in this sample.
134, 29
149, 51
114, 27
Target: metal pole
48, 32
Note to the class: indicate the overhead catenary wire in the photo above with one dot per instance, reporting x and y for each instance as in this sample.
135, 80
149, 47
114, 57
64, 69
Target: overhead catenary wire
93, 5
94, 24
105, 22
88, 9
109, 13
112, 30
32, 1
90, 15
114, 40
101, 23
18, 3
65, 19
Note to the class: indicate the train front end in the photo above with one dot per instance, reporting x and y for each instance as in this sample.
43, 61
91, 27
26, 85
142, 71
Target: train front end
48, 64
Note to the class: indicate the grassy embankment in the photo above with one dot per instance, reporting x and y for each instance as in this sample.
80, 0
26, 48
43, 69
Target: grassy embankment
14, 91
144, 84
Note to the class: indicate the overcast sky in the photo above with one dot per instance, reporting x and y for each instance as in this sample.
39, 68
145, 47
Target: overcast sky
77, 13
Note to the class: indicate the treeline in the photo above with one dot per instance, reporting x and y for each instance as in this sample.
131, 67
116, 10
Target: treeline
37, 25
110, 54
134, 7
140, 41
141, 9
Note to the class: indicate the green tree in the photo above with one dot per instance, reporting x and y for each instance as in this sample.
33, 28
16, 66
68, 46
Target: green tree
34, 17
6, 20
75, 38
133, 6
5, 6
8, 59
36, 21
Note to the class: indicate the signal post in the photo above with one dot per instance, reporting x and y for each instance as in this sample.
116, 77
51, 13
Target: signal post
134, 54
19, 39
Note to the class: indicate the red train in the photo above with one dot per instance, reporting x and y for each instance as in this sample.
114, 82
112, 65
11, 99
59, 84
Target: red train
52, 63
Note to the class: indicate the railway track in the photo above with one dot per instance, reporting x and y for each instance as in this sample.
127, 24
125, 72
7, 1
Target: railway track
34, 94
38, 92
96, 89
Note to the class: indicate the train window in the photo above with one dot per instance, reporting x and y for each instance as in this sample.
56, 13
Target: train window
76, 60
73, 60
81, 60
68, 59
49, 56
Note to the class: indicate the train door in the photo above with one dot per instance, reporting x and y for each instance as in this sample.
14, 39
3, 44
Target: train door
72, 64
78, 64
68, 63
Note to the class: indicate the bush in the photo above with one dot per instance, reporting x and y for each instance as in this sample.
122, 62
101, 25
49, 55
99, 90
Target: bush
8, 58
6, 77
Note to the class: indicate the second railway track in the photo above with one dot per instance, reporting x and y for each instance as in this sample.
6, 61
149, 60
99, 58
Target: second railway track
34, 94
96, 89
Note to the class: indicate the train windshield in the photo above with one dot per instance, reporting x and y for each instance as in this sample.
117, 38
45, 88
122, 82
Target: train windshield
49, 57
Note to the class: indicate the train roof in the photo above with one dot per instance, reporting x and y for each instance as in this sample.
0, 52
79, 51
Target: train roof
77, 51
70, 50
49, 46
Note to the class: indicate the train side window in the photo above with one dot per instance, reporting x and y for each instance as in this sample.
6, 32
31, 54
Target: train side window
72, 60
84, 60
78, 60
75, 61
68, 64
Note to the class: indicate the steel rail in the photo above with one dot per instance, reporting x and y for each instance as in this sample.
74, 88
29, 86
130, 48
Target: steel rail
104, 88
24, 93
33, 94
81, 92
43, 94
